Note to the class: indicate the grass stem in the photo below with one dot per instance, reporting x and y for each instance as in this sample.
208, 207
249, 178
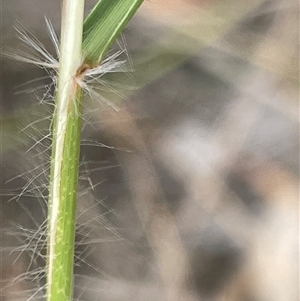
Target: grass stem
65, 156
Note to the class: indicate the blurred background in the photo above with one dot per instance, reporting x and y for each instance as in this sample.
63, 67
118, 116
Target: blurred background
189, 178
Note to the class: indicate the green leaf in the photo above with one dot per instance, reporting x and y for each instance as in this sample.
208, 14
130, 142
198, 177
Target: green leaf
103, 25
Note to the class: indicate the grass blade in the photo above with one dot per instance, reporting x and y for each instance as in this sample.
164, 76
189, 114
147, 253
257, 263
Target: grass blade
103, 25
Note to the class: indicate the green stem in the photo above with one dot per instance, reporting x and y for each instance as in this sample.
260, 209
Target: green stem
102, 28
65, 156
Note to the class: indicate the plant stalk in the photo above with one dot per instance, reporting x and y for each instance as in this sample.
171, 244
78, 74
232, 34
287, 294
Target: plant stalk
101, 29
65, 157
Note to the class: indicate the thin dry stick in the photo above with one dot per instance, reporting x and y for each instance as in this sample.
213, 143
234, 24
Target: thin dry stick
158, 222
